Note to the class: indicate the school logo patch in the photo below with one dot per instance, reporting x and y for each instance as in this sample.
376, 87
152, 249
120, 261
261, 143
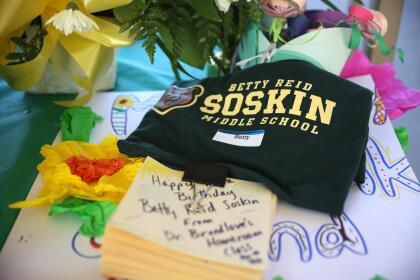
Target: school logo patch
178, 97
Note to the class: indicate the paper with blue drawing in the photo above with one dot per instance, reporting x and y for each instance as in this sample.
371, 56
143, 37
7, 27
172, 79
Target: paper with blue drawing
377, 234
378, 223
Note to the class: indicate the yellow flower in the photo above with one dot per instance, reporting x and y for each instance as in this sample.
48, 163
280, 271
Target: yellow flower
59, 182
124, 102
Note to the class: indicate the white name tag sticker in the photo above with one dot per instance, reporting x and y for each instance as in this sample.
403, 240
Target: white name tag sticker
240, 138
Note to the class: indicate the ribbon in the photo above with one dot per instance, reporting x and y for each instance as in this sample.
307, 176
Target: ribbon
93, 51
276, 28
264, 57
387, 50
373, 25
356, 38
17, 13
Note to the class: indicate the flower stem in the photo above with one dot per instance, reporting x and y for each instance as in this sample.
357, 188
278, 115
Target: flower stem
72, 5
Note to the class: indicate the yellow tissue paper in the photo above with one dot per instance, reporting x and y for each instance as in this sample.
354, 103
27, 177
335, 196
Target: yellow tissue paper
60, 183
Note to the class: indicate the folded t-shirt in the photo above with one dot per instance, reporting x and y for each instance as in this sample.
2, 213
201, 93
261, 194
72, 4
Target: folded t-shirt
298, 129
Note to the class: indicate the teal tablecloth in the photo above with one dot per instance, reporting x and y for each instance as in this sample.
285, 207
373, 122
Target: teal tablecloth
29, 121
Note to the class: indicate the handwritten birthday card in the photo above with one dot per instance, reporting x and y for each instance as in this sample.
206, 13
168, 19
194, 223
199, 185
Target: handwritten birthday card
228, 224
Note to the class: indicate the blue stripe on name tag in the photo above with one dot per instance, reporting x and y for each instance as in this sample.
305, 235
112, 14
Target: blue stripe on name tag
252, 132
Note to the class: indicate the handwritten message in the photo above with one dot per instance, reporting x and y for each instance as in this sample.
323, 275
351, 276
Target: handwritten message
230, 224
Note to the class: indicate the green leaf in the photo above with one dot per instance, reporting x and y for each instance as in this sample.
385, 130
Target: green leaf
124, 27
14, 56
331, 5
201, 24
154, 23
130, 11
190, 52
31, 54
150, 47
359, 2
254, 13
141, 34
205, 8
18, 41
182, 12
134, 29
36, 21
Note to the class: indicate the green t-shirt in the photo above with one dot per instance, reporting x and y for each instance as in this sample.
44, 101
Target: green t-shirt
299, 130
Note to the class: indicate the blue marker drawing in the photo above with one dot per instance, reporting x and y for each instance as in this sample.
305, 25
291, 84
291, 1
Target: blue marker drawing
123, 103
85, 247
369, 186
389, 174
299, 234
332, 239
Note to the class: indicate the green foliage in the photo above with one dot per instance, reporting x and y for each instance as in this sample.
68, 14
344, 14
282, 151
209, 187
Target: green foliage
253, 12
192, 52
378, 277
187, 30
206, 9
190, 30
207, 32
230, 35
178, 16
28, 46
130, 12
148, 28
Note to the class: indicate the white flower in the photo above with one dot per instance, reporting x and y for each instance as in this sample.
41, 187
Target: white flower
72, 19
224, 5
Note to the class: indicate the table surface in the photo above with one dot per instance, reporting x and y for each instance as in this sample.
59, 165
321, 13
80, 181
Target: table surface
29, 121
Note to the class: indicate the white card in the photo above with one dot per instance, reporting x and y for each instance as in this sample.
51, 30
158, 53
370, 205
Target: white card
252, 138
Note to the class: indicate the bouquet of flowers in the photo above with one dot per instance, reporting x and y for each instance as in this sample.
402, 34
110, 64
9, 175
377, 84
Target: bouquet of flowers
191, 30
67, 46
